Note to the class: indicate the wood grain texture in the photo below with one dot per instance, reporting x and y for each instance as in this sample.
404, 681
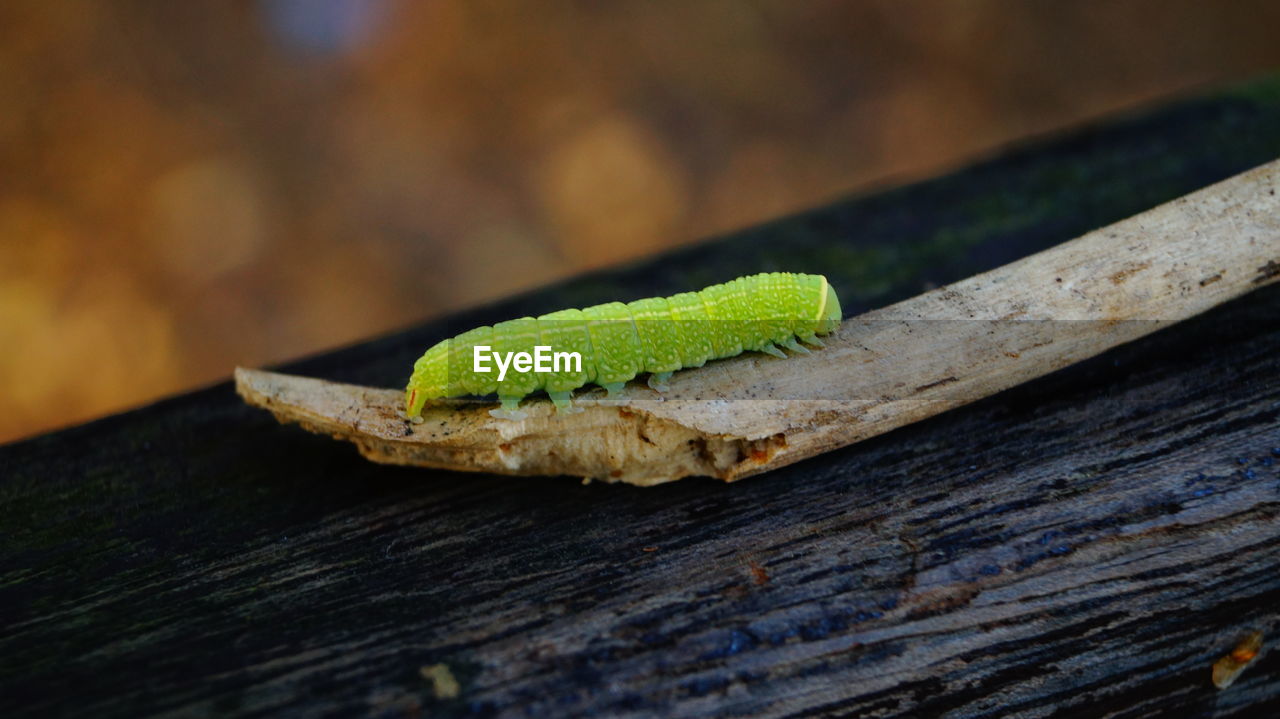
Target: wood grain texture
878, 371
1087, 544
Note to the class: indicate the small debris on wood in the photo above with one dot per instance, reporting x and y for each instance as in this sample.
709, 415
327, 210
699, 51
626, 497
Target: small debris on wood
443, 684
1267, 272
1226, 669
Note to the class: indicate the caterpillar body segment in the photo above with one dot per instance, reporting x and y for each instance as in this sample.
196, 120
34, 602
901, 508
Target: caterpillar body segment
566, 330
617, 341
689, 315
617, 354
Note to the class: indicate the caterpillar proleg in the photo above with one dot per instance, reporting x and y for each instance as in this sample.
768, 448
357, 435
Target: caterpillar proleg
615, 341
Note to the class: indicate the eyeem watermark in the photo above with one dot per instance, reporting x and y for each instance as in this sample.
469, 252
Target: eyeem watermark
542, 360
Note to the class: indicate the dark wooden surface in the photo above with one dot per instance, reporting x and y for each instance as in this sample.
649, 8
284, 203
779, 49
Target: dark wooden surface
1086, 545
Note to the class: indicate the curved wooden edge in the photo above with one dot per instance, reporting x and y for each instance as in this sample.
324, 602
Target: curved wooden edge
629, 441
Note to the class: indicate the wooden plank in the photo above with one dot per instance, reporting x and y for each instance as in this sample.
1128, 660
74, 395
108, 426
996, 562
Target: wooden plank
879, 371
1086, 544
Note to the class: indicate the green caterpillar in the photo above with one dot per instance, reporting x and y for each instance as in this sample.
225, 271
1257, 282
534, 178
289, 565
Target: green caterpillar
616, 341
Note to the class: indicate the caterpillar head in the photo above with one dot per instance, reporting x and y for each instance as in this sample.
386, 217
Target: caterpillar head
831, 313
430, 379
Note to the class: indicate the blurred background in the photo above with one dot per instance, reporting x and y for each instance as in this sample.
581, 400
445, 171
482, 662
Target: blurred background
187, 186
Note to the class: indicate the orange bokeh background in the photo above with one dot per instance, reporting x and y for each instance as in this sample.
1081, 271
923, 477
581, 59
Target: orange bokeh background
187, 186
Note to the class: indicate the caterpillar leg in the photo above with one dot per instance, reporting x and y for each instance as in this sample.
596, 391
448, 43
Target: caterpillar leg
794, 346
813, 340
771, 349
613, 389
563, 402
658, 381
510, 409
416, 419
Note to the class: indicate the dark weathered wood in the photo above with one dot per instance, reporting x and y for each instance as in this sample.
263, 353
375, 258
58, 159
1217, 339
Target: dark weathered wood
1086, 545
